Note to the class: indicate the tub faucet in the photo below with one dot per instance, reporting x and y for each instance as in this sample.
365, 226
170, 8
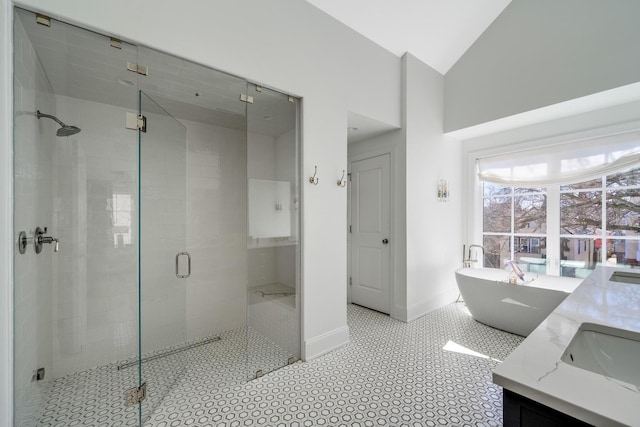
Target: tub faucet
468, 262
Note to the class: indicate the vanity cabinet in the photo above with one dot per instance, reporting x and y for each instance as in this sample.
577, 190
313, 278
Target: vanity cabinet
520, 411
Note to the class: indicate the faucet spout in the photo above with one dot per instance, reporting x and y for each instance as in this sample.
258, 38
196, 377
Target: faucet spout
475, 246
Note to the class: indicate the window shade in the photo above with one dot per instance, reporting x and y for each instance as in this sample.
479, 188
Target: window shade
565, 163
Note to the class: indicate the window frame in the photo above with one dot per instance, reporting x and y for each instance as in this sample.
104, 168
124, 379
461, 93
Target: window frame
554, 234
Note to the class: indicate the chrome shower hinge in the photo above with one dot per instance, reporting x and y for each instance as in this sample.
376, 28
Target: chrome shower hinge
114, 42
135, 122
135, 395
137, 68
246, 98
43, 20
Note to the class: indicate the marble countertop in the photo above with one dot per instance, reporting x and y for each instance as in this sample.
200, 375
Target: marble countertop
534, 369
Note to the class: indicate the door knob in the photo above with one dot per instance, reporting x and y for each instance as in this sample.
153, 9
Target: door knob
385, 241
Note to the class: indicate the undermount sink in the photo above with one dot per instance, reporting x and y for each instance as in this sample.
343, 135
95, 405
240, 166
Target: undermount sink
625, 277
612, 352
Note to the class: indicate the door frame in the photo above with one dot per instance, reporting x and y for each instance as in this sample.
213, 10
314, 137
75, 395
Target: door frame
356, 157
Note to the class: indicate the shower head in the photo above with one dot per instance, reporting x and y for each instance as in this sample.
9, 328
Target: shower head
65, 130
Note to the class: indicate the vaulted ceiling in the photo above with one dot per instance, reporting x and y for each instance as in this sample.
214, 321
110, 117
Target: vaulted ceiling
438, 32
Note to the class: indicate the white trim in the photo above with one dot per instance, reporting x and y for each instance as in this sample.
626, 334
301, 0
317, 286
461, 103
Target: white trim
400, 313
358, 158
362, 150
518, 140
415, 311
6, 216
327, 342
301, 223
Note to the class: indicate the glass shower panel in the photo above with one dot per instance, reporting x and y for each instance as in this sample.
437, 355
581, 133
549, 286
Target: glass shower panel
75, 308
165, 265
273, 243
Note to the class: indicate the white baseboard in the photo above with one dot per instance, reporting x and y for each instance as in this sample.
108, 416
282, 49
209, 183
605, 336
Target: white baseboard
415, 311
323, 344
399, 313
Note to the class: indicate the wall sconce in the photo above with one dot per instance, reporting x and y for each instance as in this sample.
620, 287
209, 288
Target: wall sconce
443, 190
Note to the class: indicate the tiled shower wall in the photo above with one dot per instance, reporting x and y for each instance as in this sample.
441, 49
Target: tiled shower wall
216, 232
95, 299
95, 197
86, 190
34, 144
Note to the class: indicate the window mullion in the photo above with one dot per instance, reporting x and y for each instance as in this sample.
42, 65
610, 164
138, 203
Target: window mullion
513, 224
553, 230
603, 251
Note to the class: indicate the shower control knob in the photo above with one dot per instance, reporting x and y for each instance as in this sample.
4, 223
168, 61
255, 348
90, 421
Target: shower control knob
40, 239
385, 241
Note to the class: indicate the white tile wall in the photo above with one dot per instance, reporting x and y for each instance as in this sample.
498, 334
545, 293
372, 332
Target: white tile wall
95, 189
95, 299
216, 208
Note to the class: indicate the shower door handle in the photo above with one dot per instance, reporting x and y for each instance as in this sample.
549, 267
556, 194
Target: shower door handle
188, 255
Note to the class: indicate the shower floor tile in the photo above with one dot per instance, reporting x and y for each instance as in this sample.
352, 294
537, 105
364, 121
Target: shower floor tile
392, 373
96, 397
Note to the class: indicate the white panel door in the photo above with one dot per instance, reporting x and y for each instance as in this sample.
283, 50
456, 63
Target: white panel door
370, 246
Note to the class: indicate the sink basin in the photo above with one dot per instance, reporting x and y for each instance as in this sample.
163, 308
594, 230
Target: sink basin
625, 277
612, 352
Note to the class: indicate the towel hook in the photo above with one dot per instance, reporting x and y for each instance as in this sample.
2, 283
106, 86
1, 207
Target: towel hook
313, 179
342, 182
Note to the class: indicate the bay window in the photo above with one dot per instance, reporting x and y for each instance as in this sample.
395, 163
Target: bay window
565, 209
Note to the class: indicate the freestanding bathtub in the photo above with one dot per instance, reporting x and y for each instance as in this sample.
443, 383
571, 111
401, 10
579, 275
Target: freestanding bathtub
518, 309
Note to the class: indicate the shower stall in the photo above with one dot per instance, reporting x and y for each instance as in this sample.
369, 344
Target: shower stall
156, 223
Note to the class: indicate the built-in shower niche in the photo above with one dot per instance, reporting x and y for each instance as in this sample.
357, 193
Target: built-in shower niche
269, 210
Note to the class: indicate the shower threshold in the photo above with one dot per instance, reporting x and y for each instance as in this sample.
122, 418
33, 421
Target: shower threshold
169, 352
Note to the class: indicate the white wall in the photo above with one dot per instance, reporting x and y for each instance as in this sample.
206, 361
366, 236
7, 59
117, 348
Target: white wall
425, 233
543, 52
433, 228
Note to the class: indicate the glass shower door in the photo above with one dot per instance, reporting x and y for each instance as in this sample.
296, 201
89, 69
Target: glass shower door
164, 264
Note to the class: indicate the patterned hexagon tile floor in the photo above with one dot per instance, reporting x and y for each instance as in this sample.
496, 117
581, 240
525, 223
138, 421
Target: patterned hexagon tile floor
434, 371
391, 374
